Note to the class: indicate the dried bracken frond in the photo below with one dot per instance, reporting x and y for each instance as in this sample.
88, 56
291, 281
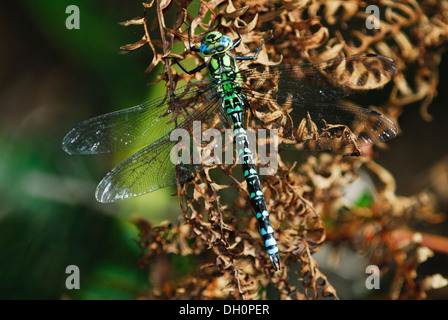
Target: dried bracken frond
223, 237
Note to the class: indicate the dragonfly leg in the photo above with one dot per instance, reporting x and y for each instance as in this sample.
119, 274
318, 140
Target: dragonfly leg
189, 39
199, 68
237, 42
190, 72
256, 52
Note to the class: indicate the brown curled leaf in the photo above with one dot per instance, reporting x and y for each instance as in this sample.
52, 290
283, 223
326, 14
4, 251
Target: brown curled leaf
136, 45
135, 21
307, 198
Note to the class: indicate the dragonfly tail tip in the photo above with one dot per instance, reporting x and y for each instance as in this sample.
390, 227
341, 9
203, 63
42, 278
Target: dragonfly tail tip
275, 259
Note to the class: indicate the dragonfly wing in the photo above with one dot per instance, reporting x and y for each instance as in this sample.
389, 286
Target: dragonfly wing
152, 168
321, 81
323, 126
137, 126
147, 170
366, 126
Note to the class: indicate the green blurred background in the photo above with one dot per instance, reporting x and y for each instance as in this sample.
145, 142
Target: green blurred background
51, 78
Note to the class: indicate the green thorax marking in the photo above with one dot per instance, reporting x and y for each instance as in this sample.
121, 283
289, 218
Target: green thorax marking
222, 66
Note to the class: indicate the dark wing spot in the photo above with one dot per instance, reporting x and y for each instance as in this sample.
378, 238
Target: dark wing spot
375, 113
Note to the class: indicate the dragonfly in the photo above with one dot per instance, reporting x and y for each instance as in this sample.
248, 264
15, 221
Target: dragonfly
306, 91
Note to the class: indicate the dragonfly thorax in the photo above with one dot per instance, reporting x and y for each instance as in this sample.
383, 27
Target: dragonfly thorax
224, 70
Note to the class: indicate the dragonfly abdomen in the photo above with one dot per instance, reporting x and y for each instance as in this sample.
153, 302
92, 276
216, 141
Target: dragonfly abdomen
256, 194
224, 70
233, 106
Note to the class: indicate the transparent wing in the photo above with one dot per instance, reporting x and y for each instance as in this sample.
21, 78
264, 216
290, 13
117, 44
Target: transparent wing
148, 170
151, 168
321, 81
137, 126
300, 92
324, 126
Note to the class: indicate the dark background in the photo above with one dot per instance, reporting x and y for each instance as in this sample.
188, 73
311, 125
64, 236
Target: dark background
51, 78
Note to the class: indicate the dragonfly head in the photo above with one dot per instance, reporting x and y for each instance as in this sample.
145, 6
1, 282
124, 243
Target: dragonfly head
215, 42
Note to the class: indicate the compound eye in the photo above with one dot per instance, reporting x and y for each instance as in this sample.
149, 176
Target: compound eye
225, 41
204, 49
